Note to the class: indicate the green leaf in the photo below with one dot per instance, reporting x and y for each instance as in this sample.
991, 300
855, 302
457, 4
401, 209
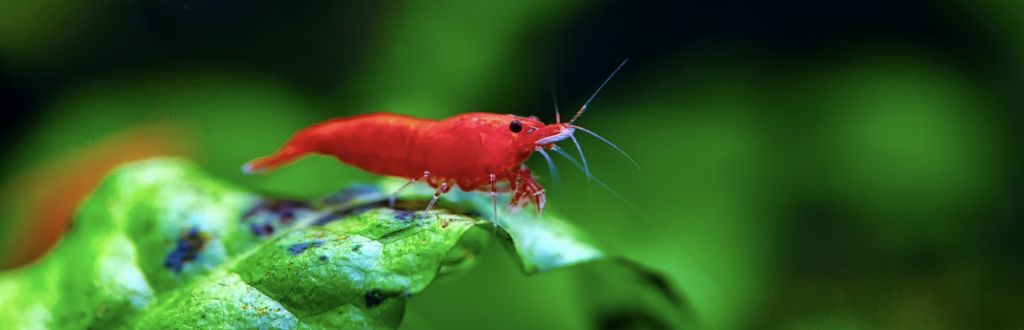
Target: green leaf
540, 243
161, 245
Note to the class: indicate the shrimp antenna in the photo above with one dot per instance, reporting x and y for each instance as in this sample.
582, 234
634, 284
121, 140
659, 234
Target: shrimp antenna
585, 168
608, 142
551, 166
574, 162
554, 173
554, 98
597, 91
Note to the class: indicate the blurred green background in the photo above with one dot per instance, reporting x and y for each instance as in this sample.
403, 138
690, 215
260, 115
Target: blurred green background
804, 165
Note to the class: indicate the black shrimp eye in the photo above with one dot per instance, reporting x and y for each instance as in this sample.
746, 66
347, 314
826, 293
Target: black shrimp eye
515, 126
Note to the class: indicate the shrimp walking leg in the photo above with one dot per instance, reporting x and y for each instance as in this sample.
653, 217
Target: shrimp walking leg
391, 202
527, 190
494, 198
440, 190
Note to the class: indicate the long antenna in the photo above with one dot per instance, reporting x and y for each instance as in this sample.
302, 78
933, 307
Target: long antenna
584, 108
554, 98
585, 167
608, 142
554, 174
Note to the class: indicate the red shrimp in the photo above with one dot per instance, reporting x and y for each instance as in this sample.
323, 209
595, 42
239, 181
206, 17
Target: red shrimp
474, 151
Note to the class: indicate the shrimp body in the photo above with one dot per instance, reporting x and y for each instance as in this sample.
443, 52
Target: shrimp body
470, 150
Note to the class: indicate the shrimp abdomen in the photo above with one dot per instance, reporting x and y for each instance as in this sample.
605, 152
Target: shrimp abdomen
379, 143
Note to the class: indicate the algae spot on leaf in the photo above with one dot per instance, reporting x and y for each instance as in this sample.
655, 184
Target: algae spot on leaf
270, 215
262, 229
191, 242
404, 215
297, 249
356, 194
283, 209
328, 217
374, 297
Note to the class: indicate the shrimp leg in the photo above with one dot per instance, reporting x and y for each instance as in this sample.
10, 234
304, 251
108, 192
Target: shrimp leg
526, 189
391, 202
440, 190
494, 197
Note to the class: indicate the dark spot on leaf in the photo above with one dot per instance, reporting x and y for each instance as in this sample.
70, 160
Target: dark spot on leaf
404, 209
301, 247
281, 209
374, 298
323, 258
404, 215
356, 248
350, 194
191, 242
262, 229
331, 217
392, 235
286, 217
326, 218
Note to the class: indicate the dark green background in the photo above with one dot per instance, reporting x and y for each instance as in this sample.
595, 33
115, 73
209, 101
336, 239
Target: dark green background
804, 165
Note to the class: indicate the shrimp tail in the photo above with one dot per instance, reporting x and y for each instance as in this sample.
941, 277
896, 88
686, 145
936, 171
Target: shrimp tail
268, 164
293, 150
348, 139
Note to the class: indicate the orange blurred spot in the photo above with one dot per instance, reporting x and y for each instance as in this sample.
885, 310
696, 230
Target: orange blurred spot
53, 193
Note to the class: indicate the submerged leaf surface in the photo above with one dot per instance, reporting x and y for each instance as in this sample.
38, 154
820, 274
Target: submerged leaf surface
160, 245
